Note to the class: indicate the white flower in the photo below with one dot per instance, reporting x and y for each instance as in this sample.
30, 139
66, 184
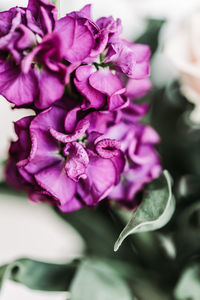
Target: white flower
183, 48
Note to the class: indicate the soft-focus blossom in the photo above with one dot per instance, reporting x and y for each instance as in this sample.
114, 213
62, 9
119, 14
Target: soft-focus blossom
142, 161
183, 50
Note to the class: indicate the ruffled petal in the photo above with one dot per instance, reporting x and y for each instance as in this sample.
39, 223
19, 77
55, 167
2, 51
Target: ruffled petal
96, 98
44, 15
50, 88
78, 133
101, 177
105, 82
71, 206
17, 87
77, 40
77, 161
55, 181
137, 88
44, 150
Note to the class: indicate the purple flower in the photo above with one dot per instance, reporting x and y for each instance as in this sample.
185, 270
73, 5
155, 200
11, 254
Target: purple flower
101, 88
33, 47
41, 16
20, 33
128, 61
129, 58
87, 144
64, 159
37, 51
142, 161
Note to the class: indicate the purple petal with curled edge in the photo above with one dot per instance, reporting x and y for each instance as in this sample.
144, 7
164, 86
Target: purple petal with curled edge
44, 149
56, 182
101, 177
117, 100
137, 88
91, 138
11, 33
40, 195
150, 136
141, 71
71, 119
81, 128
71, 206
119, 163
83, 72
32, 24
77, 40
29, 58
96, 98
101, 120
8, 21
77, 161
86, 11
105, 82
15, 86
111, 26
101, 44
142, 52
44, 15
108, 148
123, 57
51, 88
144, 155
27, 38
27, 176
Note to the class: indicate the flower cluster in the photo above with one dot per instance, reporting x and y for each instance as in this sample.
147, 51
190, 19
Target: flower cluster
85, 142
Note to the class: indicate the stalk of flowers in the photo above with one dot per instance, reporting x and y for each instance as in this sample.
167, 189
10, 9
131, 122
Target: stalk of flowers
86, 142
37, 50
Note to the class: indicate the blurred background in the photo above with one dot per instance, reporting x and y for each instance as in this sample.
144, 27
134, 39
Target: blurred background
33, 230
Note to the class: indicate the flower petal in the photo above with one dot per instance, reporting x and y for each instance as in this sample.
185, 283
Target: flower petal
15, 86
56, 182
77, 161
77, 39
50, 88
105, 82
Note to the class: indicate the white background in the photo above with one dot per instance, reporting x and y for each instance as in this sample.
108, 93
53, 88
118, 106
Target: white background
33, 230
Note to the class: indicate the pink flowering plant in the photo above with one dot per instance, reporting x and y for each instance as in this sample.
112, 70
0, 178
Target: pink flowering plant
86, 144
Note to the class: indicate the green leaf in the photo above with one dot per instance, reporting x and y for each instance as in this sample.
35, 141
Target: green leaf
188, 286
38, 275
154, 212
97, 280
